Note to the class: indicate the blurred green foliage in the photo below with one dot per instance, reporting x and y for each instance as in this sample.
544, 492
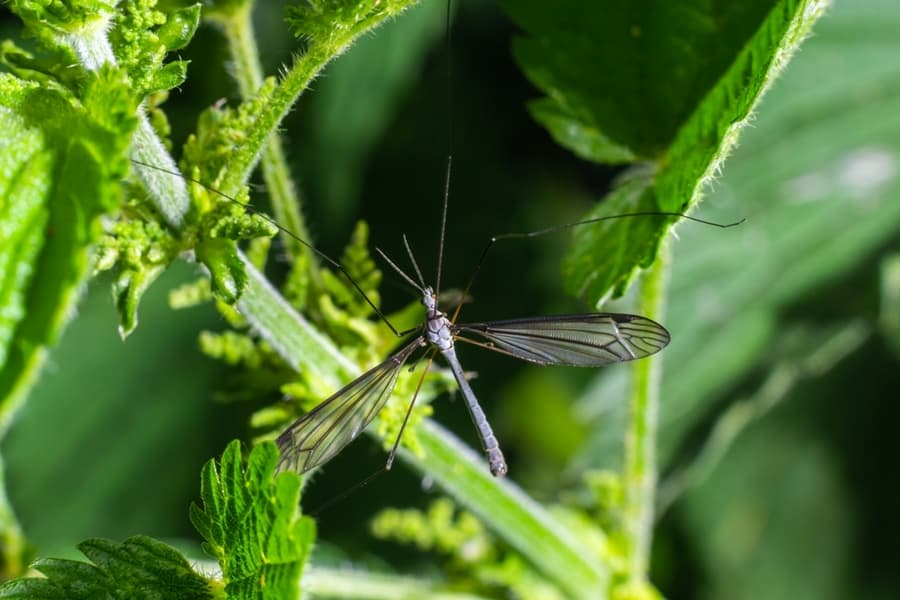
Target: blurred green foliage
777, 419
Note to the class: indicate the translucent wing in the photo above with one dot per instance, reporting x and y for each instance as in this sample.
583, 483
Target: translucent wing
588, 340
318, 436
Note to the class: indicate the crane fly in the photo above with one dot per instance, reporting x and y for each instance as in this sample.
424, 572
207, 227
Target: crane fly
582, 340
579, 340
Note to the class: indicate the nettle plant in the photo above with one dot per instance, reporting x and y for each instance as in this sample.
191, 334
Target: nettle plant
88, 184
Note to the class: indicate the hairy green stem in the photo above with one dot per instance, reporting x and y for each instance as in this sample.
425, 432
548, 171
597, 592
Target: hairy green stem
294, 82
354, 583
293, 337
247, 71
639, 477
536, 534
169, 193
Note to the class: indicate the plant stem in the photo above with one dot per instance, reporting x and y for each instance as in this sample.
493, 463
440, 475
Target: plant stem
294, 82
639, 477
292, 336
356, 583
238, 30
169, 193
520, 521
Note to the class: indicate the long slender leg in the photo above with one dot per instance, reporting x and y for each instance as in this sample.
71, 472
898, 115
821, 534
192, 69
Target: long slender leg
412, 403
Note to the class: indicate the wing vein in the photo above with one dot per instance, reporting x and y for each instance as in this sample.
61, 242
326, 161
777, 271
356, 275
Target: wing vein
316, 437
584, 340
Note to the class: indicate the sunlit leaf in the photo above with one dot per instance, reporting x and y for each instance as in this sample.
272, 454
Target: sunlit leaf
250, 521
668, 84
138, 568
62, 169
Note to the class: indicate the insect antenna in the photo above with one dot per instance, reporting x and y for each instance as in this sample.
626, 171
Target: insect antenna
412, 259
400, 272
448, 38
554, 228
440, 263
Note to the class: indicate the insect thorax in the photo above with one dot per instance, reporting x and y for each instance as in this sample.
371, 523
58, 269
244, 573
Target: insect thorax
437, 330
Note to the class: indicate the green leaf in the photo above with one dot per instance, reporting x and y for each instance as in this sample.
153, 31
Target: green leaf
52, 20
226, 270
251, 524
180, 27
817, 176
99, 34
586, 141
26, 188
169, 76
52, 66
636, 71
622, 241
670, 84
143, 35
141, 251
809, 169
62, 164
138, 568
136, 45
